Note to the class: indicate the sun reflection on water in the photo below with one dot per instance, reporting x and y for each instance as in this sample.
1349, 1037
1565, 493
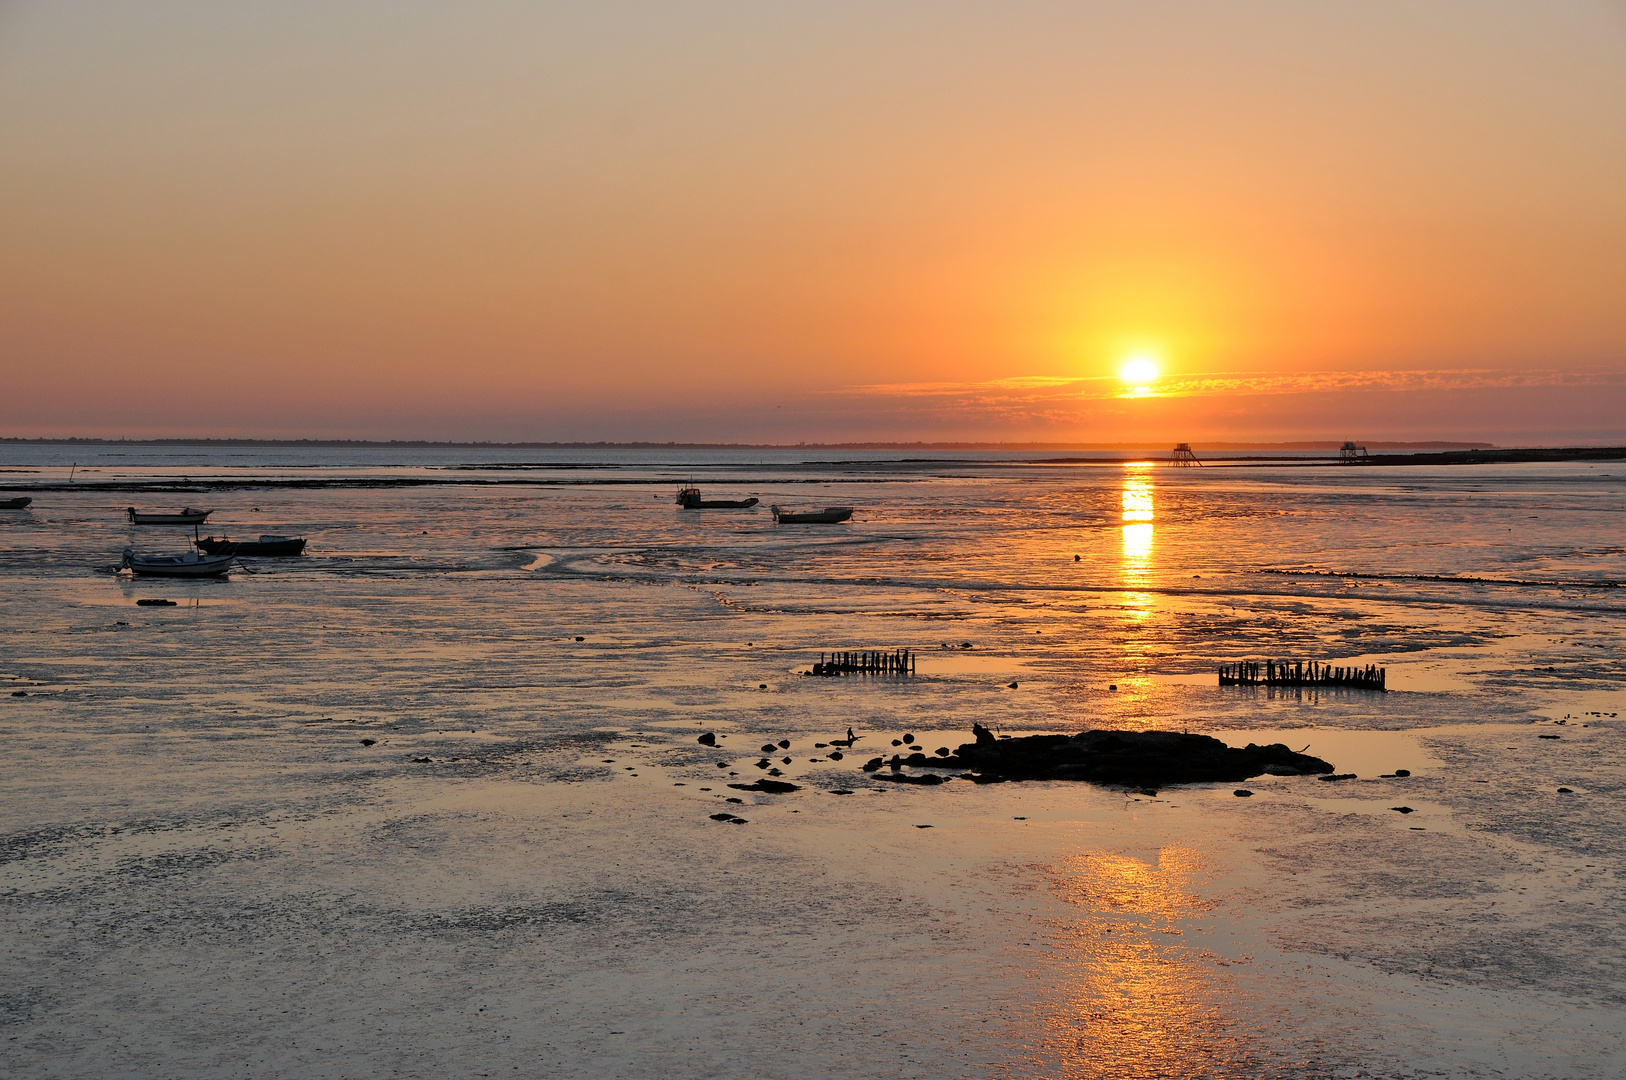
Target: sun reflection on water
1137, 536
1142, 1000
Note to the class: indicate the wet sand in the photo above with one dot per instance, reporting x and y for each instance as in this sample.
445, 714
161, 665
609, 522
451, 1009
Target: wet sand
205, 872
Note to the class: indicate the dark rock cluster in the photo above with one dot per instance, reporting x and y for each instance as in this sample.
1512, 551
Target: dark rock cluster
1139, 759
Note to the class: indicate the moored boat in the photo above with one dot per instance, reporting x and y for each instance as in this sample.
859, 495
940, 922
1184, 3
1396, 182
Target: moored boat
22, 502
689, 498
191, 564
266, 547
188, 516
830, 515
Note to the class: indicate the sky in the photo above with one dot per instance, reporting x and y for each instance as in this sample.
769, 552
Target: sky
827, 221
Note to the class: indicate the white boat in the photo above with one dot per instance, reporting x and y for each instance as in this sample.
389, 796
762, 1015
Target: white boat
190, 564
830, 515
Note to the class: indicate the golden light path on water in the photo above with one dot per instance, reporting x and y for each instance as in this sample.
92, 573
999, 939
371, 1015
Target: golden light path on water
1137, 535
1139, 1004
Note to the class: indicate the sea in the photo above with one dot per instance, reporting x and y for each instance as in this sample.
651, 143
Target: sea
431, 799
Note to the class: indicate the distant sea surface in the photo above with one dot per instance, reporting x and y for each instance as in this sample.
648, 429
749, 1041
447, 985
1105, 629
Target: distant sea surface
428, 800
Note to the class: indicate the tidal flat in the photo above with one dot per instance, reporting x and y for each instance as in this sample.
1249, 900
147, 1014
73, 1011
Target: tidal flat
429, 800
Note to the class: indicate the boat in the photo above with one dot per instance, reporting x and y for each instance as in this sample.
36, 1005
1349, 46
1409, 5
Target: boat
23, 501
266, 547
190, 564
830, 515
689, 498
188, 516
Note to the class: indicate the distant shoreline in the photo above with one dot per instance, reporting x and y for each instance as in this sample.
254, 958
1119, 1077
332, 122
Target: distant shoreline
1020, 447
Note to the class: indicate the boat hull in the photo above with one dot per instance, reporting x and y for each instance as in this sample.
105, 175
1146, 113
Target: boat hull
830, 515
266, 547
179, 565
689, 498
185, 517
22, 503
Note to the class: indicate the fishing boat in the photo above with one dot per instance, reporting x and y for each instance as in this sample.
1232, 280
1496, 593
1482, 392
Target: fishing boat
689, 498
190, 564
22, 503
830, 515
266, 547
188, 516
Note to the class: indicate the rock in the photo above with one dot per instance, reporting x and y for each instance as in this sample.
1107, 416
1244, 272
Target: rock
772, 787
1010, 685
1114, 686
1136, 759
707, 739
842, 791
763, 764
784, 761
1548, 736
1337, 776
154, 602
928, 779
737, 821
19, 693
1402, 809
872, 764
768, 748
1565, 791
734, 800
1076, 558
943, 751
762, 686
836, 755
922, 826
907, 739
1019, 819
820, 745
722, 764
775, 772
368, 742
581, 639
722, 817
1402, 772
1242, 793
784, 744
421, 761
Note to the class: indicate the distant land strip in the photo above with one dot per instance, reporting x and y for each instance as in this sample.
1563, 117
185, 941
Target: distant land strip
428, 444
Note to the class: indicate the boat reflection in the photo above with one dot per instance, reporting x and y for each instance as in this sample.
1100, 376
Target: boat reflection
1141, 1000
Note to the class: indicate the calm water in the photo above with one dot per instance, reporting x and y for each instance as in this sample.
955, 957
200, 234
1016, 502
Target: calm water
206, 872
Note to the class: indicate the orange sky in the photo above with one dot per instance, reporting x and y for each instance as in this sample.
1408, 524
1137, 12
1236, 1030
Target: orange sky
814, 222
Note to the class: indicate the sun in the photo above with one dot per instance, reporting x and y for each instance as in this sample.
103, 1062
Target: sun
1139, 370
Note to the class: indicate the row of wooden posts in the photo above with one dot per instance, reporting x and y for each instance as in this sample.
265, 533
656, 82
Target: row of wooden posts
1313, 673
896, 662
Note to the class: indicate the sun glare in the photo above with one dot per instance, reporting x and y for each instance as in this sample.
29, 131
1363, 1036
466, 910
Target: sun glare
1139, 371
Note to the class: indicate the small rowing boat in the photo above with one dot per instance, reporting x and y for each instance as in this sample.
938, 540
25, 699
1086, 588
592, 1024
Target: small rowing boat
689, 498
15, 504
266, 547
188, 516
830, 515
190, 564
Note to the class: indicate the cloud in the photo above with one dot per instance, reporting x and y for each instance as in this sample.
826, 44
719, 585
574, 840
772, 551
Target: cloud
1037, 388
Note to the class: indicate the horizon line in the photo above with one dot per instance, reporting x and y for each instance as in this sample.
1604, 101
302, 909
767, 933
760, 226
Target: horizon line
867, 444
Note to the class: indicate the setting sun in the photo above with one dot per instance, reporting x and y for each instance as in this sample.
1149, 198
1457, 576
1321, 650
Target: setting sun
1139, 372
